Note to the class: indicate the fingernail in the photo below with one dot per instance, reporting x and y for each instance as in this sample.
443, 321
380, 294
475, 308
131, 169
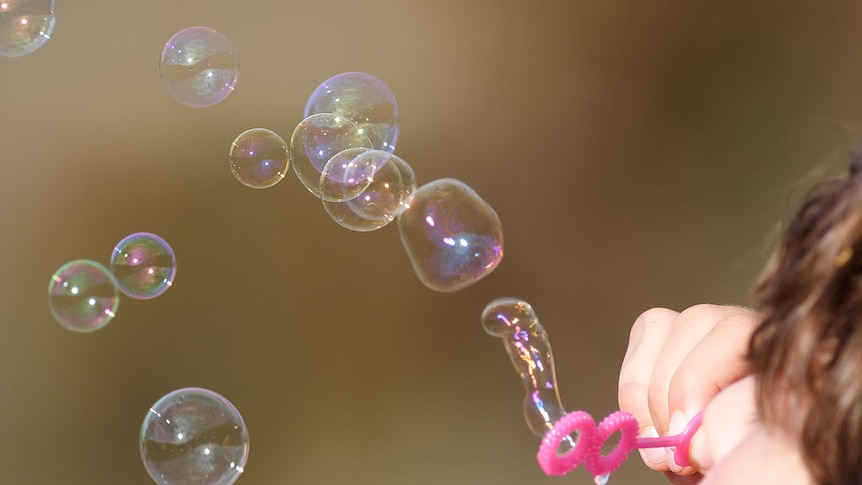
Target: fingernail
653, 457
677, 423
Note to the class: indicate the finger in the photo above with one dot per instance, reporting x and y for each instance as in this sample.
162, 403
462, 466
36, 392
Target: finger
687, 332
648, 334
728, 418
716, 362
646, 341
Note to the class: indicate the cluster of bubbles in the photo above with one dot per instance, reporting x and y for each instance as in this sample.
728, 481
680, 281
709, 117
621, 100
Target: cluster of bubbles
83, 295
342, 152
192, 435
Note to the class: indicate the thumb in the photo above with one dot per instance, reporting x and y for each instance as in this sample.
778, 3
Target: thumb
726, 421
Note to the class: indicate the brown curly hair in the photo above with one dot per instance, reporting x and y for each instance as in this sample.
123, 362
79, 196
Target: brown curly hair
807, 352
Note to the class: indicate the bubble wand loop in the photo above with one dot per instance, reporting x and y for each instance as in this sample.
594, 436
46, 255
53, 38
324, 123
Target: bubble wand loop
568, 439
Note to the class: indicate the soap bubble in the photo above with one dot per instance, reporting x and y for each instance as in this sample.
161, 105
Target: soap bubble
316, 140
144, 265
194, 436
258, 158
390, 183
364, 100
199, 67
25, 25
83, 296
452, 236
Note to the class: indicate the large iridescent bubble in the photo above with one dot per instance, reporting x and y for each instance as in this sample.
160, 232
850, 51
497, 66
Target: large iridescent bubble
199, 67
194, 436
25, 25
83, 296
363, 99
452, 236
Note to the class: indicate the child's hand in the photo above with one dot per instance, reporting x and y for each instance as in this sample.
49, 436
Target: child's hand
674, 365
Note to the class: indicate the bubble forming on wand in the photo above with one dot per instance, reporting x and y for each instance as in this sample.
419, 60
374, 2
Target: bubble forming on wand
526, 341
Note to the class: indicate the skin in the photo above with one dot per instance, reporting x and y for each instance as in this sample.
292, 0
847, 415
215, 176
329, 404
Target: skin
679, 363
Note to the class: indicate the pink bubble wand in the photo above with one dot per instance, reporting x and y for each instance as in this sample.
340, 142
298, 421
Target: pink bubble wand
568, 439
591, 438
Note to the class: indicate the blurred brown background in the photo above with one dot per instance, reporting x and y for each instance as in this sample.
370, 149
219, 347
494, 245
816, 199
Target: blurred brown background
638, 153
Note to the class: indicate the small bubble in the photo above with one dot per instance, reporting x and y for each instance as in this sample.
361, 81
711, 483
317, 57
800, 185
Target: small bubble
258, 158
144, 265
83, 296
199, 67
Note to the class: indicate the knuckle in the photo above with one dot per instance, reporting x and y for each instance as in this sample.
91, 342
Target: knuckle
649, 320
701, 313
744, 322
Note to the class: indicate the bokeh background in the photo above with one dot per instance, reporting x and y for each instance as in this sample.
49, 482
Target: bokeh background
639, 154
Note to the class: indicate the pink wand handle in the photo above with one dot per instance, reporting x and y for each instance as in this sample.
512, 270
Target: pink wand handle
680, 442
